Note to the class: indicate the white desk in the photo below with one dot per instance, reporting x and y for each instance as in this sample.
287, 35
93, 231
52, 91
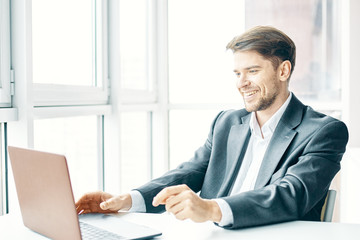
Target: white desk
11, 227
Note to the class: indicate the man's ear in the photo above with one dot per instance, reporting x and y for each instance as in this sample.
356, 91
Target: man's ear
284, 70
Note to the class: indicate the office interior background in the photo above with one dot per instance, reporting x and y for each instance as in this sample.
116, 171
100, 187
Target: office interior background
127, 89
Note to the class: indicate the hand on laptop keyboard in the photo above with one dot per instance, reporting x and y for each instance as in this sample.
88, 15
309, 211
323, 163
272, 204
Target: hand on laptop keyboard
102, 202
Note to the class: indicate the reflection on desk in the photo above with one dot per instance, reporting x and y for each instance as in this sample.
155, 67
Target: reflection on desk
11, 227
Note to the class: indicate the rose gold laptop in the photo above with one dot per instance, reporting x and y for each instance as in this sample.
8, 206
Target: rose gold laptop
47, 204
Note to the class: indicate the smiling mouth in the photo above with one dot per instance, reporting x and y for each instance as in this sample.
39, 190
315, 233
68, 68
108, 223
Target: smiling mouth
249, 94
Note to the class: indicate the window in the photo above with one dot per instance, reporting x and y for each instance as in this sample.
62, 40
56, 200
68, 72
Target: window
64, 54
192, 125
317, 71
137, 48
68, 52
201, 79
135, 151
69, 56
59, 53
134, 44
200, 69
133, 70
77, 138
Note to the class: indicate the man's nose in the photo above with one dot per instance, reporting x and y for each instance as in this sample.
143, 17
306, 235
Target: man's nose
241, 81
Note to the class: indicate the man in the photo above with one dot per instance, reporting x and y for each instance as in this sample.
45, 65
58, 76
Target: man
270, 162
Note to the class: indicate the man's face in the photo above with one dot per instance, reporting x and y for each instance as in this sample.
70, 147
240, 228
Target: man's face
257, 80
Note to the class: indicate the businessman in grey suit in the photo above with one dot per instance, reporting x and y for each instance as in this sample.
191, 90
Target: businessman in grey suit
270, 162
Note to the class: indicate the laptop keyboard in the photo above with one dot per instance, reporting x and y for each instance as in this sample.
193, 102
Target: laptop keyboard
91, 232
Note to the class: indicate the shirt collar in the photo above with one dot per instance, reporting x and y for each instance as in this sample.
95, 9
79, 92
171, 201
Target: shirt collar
269, 127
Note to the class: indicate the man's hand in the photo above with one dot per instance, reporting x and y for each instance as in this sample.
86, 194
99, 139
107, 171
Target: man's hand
101, 202
185, 204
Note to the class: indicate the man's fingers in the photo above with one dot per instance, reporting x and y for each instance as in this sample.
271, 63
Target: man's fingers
81, 204
175, 207
108, 204
90, 202
169, 204
105, 205
85, 211
164, 194
79, 209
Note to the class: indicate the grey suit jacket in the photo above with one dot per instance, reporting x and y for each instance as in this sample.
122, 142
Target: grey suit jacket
302, 158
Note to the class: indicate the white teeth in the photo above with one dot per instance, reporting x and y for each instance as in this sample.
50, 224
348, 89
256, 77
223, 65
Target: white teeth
247, 94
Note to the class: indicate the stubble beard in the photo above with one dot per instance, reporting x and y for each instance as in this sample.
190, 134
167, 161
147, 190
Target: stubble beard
264, 102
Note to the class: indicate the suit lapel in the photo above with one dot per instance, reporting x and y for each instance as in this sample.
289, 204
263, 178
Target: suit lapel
281, 139
278, 144
236, 147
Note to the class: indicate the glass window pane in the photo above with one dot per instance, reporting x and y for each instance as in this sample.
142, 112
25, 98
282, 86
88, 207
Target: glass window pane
76, 138
317, 71
200, 69
185, 123
62, 33
134, 151
133, 20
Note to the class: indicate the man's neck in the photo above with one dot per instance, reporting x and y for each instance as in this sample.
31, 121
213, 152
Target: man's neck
264, 115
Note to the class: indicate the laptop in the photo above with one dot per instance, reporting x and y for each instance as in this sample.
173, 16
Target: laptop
47, 203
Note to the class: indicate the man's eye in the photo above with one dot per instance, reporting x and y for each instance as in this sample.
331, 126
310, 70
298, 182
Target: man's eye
253, 71
238, 74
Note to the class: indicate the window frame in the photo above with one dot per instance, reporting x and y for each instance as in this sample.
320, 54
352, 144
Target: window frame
153, 100
5, 88
65, 95
133, 96
42, 101
6, 112
59, 101
70, 95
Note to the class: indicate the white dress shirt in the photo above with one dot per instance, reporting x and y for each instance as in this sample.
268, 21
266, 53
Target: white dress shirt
258, 143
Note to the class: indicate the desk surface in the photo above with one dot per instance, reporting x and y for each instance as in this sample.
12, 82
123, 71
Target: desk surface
11, 227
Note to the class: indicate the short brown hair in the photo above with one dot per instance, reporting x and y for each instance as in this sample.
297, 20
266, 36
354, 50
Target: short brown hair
269, 42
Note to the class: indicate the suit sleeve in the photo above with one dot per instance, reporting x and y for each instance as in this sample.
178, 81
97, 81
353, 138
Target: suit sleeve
191, 173
300, 192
